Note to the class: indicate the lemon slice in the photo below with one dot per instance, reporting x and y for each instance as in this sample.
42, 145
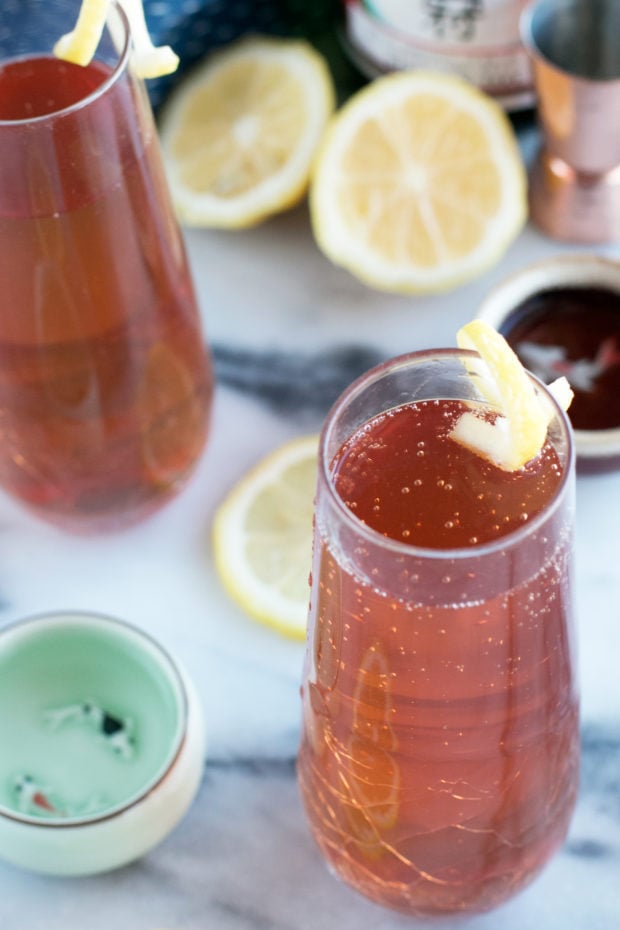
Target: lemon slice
239, 135
262, 537
519, 433
371, 772
79, 45
418, 184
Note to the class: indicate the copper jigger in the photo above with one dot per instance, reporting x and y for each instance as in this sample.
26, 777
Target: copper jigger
574, 47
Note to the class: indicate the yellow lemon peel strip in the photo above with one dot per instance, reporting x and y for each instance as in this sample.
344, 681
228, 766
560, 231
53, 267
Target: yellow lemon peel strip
148, 60
79, 45
518, 433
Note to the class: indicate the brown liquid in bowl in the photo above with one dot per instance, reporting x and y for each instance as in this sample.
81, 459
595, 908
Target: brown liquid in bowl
575, 332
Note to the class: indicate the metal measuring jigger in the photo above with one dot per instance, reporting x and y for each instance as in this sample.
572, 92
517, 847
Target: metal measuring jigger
574, 47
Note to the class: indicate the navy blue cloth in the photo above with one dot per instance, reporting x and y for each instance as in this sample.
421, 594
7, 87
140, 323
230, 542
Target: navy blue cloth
191, 27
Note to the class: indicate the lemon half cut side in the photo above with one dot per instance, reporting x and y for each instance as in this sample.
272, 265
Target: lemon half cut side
419, 184
262, 537
240, 133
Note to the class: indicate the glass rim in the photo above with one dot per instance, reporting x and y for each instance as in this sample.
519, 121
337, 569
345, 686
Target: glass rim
119, 69
409, 550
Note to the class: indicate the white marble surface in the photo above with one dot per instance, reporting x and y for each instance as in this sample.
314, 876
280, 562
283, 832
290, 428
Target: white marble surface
242, 859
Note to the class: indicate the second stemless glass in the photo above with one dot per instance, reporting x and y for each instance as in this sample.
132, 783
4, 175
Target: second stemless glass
105, 382
439, 756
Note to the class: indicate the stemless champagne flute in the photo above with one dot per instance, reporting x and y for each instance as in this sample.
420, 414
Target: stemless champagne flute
105, 382
439, 757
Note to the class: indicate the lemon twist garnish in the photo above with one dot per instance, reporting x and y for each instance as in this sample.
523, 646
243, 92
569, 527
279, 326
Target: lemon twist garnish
79, 45
148, 60
518, 434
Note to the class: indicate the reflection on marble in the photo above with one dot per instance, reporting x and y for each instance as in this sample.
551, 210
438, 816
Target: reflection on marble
289, 331
244, 861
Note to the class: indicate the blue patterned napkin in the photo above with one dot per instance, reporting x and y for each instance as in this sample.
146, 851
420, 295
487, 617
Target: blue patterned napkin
191, 27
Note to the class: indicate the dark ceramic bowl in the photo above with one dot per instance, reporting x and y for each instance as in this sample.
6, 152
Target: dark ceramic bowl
562, 317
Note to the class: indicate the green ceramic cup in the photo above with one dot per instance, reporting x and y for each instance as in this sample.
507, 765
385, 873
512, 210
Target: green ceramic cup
102, 743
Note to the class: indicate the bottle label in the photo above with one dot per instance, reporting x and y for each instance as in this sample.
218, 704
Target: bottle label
477, 39
471, 23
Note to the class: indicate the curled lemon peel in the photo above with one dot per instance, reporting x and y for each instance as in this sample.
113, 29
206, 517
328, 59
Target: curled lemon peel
418, 185
79, 45
148, 60
518, 433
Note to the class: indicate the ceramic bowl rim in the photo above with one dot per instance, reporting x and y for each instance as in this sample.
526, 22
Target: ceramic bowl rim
582, 269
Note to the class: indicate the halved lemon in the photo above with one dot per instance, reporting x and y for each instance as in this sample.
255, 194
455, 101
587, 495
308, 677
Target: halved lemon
519, 433
262, 537
239, 135
80, 45
418, 184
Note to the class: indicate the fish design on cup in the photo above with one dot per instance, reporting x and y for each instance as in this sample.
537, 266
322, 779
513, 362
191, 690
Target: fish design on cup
117, 732
34, 798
